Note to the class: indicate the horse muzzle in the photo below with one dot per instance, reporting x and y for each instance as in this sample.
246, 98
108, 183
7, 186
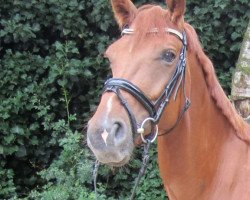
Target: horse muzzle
112, 142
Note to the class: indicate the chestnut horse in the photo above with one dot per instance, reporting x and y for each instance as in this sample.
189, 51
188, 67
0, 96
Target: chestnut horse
203, 150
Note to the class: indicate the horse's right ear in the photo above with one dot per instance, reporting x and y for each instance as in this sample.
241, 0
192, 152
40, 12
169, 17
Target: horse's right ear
124, 11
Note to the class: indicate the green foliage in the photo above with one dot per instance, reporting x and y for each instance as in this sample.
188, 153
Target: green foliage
49, 70
52, 71
69, 176
6, 182
118, 183
220, 25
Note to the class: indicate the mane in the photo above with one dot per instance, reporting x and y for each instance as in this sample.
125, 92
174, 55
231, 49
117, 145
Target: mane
216, 91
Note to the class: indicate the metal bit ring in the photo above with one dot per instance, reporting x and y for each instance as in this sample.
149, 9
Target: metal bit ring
141, 130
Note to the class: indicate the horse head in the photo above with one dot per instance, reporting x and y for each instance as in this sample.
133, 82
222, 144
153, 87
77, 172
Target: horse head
148, 73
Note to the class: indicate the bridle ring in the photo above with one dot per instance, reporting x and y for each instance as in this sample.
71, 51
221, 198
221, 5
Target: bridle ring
141, 130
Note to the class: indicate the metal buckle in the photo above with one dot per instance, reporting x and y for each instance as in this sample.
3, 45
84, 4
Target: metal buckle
141, 130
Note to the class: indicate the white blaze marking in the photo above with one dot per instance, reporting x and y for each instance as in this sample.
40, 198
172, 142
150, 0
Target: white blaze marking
109, 104
109, 108
105, 136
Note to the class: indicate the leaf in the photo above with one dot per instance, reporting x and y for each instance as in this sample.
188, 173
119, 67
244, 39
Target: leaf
87, 73
235, 35
21, 152
9, 138
17, 130
66, 31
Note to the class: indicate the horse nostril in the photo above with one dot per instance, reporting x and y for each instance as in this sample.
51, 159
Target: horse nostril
118, 132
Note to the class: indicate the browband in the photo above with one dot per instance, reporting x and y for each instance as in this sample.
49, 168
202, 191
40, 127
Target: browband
129, 31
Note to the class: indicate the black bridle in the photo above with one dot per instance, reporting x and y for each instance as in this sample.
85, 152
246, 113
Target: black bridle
155, 109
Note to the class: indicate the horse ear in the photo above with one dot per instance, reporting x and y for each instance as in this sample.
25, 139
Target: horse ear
124, 11
177, 10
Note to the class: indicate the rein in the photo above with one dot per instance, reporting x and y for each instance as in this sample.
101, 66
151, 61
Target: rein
154, 109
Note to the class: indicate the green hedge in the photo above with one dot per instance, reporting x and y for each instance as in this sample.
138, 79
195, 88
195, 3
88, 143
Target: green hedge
52, 71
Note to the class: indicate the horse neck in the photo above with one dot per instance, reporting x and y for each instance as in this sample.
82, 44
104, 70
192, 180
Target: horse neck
189, 155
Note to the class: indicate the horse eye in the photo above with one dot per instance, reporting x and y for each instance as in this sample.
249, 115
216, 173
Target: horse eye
168, 56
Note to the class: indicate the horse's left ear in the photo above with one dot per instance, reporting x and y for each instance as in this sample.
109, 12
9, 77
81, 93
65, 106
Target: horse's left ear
177, 10
124, 11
